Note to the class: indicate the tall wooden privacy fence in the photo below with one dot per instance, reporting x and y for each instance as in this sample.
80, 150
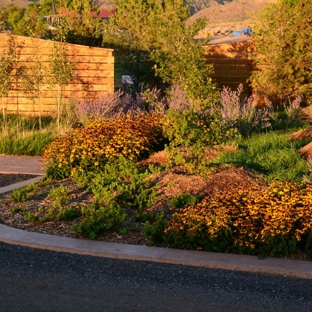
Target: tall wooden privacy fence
232, 64
92, 76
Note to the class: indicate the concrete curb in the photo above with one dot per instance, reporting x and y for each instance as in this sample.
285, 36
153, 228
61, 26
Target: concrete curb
286, 267
11, 187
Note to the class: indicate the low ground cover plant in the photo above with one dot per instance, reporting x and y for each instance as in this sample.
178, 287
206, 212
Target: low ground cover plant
89, 147
273, 221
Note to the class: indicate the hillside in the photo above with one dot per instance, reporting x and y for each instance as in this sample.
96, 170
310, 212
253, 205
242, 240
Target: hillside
229, 15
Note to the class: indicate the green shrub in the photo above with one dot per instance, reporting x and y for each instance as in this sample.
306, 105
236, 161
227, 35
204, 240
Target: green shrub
191, 127
96, 218
22, 194
59, 196
89, 148
272, 221
183, 200
123, 182
154, 231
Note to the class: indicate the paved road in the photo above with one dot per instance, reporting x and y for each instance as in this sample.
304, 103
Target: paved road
39, 280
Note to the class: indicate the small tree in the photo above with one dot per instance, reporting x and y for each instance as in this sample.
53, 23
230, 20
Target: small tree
151, 37
9, 69
36, 76
282, 37
61, 71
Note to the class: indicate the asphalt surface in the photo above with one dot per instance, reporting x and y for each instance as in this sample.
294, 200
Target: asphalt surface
34, 279
39, 280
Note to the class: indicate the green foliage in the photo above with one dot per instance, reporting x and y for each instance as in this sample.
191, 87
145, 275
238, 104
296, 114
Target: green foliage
191, 126
183, 200
32, 217
288, 116
154, 232
20, 135
289, 3
270, 221
89, 148
282, 39
81, 26
17, 209
153, 35
59, 196
28, 21
121, 182
22, 194
67, 214
97, 218
273, 153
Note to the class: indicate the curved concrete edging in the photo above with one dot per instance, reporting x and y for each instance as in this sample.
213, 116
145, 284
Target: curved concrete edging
11, 187
287, 267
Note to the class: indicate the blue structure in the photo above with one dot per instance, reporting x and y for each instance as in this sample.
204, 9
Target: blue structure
241, 32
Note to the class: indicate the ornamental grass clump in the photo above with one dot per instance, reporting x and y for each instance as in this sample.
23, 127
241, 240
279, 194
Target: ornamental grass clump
273, 221
89, 147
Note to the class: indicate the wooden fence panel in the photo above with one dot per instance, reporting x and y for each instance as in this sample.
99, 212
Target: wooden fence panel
232, 64
92, 77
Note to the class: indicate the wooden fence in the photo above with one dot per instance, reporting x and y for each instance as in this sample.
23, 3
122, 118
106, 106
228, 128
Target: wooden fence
92, 77
232, 64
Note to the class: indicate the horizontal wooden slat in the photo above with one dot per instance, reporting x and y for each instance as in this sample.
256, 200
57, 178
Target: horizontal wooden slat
225, 61
29, 58
232, 63
93, 75
93, 66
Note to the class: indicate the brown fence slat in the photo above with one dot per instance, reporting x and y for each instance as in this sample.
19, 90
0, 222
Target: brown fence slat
232, 64
93, 75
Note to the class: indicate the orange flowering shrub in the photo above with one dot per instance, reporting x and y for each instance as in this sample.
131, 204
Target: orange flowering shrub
275, 220
88, 148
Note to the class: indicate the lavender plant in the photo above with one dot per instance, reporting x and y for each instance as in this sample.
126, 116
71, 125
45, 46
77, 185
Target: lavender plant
109, 106
241, 114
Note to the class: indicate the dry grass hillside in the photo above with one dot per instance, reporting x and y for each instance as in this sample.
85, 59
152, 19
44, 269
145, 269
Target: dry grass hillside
231, 15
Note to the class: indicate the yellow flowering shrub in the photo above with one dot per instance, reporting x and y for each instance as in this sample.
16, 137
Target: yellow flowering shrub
275, 220
89, 147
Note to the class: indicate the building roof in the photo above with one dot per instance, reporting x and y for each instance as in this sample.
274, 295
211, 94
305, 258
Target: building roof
105, 14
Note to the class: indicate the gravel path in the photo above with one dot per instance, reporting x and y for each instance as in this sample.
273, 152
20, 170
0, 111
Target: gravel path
38, 280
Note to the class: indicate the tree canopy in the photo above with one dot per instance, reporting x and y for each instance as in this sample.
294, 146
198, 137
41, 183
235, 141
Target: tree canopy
25, 22
282, 36
151, 39
75, 21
